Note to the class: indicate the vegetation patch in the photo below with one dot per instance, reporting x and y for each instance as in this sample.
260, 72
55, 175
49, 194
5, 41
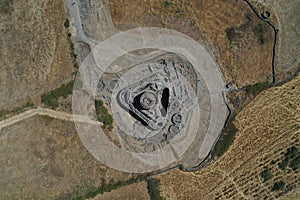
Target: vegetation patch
258, 88
230, 33
50, 99
153, 189
226, 139
72, 51
4, 113
266, 174
103, 115
6, 6
260, 32
67, 23
178, 14
168, 3
279, 185
72, 47
291, 159
107, 188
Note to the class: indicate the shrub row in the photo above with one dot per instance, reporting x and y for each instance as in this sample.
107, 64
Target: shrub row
107, 188
153, 189
226, 139
257, 88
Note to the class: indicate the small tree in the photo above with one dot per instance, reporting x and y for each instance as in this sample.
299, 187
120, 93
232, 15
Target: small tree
278, 186
167, 3
67, 23
266, 174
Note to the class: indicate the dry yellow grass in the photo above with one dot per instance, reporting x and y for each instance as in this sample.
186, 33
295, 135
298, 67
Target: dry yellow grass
243, 60
34, 56
268, 126
43, 158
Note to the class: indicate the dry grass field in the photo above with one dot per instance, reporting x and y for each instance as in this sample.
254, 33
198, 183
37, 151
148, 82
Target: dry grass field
43, 158
34, 56
288, 50
268, 127
241, 43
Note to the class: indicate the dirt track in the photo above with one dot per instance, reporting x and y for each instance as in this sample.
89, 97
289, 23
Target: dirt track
44, 112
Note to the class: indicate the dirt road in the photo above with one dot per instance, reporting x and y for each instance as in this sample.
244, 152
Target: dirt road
45, 112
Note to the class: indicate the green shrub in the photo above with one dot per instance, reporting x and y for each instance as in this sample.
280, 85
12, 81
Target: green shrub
181, 167
103, 115
226, 139
291, 159
283, 164
153, 189
167, 3
50, 99
76, 65
278, 186
266, 174
67, 23
93, 192
72, 51
6, 6
292, 152
295, 163
230, 33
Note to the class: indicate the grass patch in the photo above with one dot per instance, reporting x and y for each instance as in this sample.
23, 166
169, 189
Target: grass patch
258, 88
103, 115
50, 99
226, 139
153, 189
18, 110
